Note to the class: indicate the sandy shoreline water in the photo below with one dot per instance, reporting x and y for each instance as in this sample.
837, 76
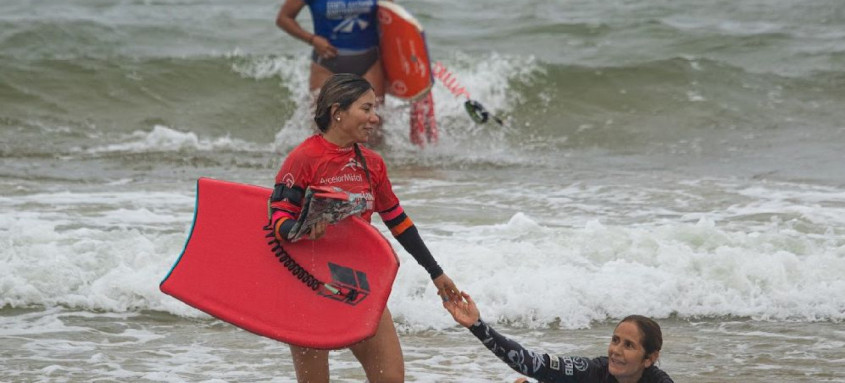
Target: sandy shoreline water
58, 345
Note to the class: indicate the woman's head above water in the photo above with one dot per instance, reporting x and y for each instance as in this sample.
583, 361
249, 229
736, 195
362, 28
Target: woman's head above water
634, 346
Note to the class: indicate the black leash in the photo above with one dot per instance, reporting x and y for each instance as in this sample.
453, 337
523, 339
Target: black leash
300, 272
478, 113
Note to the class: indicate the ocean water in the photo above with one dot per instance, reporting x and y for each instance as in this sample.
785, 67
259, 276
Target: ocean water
677, 159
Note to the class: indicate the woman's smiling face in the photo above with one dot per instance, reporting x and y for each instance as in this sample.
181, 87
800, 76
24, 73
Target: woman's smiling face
359, 120
626, 355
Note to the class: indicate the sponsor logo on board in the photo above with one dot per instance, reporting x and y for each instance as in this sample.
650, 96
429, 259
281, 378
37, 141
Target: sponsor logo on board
352, 284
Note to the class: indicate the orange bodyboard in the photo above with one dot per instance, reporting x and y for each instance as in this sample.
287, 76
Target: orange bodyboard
404, 53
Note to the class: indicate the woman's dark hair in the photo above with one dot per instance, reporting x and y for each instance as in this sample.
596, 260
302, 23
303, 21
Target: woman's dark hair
652, 336
342, 89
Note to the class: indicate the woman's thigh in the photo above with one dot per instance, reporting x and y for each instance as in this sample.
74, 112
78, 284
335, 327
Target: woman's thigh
375, 75
381, 355
319, 76
311, 365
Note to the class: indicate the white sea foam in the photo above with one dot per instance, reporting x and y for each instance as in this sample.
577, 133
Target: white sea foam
486, 78
539, 222
165, 139
293, 73
109, 250
99, 251
526, 273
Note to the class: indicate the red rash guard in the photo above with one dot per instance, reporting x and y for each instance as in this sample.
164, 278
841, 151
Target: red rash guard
317, 162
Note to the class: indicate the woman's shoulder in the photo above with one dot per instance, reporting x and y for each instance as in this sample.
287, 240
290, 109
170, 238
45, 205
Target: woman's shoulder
310, 147
375, 162
371, 155
306, 152
655, 375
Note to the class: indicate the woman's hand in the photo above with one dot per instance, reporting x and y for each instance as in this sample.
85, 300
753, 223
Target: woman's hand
323, 47
465, 312
446, 289
318, 230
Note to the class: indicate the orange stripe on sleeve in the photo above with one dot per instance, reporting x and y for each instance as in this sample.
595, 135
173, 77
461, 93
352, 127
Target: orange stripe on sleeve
400, 228
276, 227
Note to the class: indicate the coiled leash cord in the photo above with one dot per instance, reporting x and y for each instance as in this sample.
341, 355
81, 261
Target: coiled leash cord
300, 273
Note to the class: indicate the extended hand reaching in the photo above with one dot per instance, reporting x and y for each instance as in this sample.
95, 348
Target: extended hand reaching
318, 230
446, 289
465, 312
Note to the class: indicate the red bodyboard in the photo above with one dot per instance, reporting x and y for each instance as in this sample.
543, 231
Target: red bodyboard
230, 270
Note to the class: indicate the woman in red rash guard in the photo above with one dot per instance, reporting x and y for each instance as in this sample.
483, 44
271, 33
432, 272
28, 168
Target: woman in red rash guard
346, 116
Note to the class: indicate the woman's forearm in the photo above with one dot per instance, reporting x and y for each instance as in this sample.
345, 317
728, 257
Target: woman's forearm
286, 21
293, 28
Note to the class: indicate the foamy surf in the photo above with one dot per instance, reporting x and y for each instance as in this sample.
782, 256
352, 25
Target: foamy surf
675, 159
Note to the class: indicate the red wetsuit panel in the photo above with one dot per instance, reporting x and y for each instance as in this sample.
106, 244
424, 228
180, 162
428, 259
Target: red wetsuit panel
321, 163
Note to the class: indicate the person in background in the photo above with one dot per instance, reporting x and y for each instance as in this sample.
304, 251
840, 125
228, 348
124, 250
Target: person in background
345, 115
345, 39
631, 355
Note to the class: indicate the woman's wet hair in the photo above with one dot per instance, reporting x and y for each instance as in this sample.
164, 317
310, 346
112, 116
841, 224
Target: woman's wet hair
652, 336
341, 89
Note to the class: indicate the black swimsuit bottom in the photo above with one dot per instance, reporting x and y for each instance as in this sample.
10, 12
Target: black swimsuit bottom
356, 63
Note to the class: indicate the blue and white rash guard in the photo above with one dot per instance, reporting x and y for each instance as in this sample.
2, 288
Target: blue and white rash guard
349, 25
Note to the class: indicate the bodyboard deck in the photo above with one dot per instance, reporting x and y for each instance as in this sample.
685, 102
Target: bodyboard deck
231, 269
407, 68
404, 52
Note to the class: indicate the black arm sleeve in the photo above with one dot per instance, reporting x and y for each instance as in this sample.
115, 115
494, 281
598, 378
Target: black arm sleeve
412, 242
545, 367
551, 368
404, 230
285, 228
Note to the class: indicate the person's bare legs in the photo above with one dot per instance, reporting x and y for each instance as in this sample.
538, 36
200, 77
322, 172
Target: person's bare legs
381, 355
375, 75
319, 76
311, 365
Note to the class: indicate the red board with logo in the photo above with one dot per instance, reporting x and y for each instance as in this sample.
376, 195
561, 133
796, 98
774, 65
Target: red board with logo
404, 53
328, 293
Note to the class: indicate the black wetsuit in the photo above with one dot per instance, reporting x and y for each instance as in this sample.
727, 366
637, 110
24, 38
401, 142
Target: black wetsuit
548, 368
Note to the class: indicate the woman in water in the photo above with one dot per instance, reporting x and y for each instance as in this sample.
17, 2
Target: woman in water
345, 39
633, 350
345, 115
